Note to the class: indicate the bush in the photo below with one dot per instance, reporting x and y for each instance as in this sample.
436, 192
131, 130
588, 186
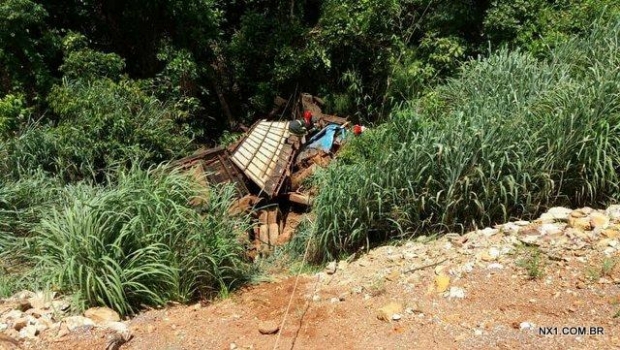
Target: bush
508, 138
104, 122
139, 242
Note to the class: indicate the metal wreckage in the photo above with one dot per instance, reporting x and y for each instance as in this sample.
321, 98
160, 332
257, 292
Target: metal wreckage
269, 164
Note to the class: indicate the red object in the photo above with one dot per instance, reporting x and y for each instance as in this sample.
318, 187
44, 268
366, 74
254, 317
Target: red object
307, 117
357, 129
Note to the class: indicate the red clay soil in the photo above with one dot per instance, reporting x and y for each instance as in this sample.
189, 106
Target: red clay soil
339, 311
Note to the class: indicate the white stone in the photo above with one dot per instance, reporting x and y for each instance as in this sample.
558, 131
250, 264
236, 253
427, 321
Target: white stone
488, 232
549, 229
558, 213
613, 212
494, 252
74, 322
456, 293
510, 228
526, 326
330, 269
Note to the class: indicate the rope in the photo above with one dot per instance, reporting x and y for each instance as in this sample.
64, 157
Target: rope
290, 302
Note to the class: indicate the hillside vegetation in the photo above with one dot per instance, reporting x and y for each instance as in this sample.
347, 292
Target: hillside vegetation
511, 136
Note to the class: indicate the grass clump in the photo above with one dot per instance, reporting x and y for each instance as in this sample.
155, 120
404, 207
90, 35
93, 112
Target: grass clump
604, 269
510, 137
532, 261
138, 242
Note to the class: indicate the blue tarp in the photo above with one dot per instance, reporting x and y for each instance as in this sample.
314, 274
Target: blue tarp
324, 139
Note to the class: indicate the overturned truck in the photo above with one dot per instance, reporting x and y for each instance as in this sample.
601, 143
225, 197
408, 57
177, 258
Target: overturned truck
268, 166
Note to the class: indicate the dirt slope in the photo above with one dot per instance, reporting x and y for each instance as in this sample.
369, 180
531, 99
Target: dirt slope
457, 292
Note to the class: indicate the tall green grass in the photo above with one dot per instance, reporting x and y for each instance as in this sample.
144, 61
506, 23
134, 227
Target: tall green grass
138, 241
509, 137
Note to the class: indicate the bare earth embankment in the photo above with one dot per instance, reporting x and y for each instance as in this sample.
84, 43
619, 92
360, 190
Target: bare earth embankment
548, 284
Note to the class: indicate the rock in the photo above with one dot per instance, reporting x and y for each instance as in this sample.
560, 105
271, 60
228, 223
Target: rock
613, 212
29, 332
24, 294
396, 317
494, 253
393, 275
456, 293
41, 327
526, 326
116, 340
24, 305
334, 300
510, 228
599, 220
611, 233
62, 330
530, 239
74, 322
550, 229
42, 300
467, 267
495, 266
521, 223
557, 213
232, 346
60, 305
3, 327
603, 243
20, 323
102, 314
12, 315
578, 213
330, 269
441, 283
37, 313
488, 232
576, 233
581, 223
115, 326
316, 298
409, 256
386, 312
268, 327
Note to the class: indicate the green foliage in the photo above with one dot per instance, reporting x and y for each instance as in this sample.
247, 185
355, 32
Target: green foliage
33, 149
83, 63
538, 25
13, 112
23, 203
139, 242
511, 136
532, 262
103, 122
26, 47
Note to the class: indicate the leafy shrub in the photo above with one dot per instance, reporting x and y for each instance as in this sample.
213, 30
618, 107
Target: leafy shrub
139, 242
508, 138
104, 122
13, 111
